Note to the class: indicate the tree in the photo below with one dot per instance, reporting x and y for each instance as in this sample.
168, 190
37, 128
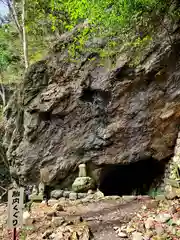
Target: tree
9, 58
5, 60
29, 18
123, 20
24, 36
39, 22
20, 25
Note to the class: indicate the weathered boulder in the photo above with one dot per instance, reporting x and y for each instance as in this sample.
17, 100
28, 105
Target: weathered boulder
57, 194
83, 112
163, 217
58, 207
82, 195
83, 184
73, 196
57, 221
66, 194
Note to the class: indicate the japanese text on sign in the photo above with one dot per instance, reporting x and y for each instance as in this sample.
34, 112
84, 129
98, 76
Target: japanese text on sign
15, 207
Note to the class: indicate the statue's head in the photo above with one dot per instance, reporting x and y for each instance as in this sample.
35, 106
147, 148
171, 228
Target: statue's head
82, 165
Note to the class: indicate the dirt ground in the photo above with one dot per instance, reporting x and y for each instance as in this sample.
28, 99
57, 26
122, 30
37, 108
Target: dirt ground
104, 216
101, 216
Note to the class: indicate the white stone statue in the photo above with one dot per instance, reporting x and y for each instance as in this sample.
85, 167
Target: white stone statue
35, 190
41, 188
82, 170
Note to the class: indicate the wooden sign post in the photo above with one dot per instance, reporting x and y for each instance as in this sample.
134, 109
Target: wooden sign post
15, 209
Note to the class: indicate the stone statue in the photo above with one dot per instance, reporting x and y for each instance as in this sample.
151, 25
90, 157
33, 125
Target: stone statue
83, 183
14, 184
82, 170
41, 188
35, 190
44, 185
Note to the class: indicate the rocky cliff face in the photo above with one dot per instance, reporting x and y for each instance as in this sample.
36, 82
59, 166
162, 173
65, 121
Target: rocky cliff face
83, 112
4, 168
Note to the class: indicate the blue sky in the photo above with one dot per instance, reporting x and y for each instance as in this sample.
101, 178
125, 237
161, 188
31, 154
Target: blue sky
3, 9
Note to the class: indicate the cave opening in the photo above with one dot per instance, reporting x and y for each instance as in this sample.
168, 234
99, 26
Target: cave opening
91, 95
45, 116
137, 178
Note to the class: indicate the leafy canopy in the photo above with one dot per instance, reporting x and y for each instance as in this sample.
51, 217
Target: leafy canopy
125, 20
9, 56
107, 15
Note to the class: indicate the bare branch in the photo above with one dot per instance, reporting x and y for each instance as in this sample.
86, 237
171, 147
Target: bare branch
12, 10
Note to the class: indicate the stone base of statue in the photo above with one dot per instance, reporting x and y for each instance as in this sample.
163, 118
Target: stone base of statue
36, 197
83, 184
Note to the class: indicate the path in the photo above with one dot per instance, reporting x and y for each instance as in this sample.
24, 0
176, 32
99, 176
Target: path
101, 216
104, 215
104, 219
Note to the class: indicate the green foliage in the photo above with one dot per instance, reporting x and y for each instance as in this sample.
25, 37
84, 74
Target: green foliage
171, 222
24, 232
153, 192
5, 51
9, 54
127, 23
132, 20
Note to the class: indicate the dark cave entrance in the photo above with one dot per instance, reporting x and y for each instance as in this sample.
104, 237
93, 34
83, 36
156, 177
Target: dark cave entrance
136, 178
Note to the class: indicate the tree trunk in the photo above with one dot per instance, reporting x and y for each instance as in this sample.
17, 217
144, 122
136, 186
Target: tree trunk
2, 91
25, 46
3, 96
12, 10
20, 27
